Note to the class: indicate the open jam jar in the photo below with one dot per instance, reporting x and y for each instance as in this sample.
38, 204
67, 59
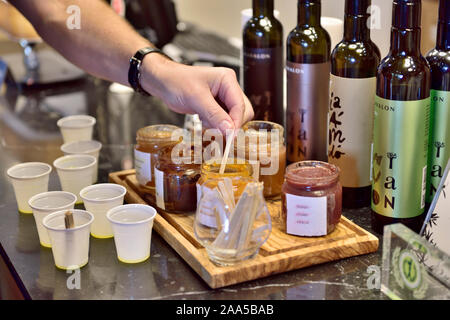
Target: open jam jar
239, 173
177, 171
263, 143
150, 140
311, 198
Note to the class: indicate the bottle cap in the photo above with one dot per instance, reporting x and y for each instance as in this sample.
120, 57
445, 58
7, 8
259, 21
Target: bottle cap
357, 7
406, 14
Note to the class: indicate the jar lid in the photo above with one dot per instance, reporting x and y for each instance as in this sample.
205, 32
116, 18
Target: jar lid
259, 133
312, 174
157, 132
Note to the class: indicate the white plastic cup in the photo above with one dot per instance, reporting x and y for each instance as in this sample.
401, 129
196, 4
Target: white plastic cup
76, 128
90, 147
132, 225
28, 179
70, 247
75, 173
99, 199
46, 203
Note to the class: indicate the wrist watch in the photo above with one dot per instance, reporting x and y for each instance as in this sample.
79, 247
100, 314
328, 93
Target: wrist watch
134, 73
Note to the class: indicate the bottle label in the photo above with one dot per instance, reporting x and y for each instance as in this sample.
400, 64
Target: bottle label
306, 216
439, 152
263, 82
351, 129
142, 164
159, 186
307, 111
401, 131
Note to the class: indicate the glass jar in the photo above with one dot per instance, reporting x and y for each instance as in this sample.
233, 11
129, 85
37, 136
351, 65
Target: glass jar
149, 141
176, 174
239, 230
240, 175
264, 144
311, 198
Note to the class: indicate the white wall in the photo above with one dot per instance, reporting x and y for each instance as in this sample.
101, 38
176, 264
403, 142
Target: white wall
223, 16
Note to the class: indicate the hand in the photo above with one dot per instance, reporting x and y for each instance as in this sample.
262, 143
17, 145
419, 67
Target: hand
198, 90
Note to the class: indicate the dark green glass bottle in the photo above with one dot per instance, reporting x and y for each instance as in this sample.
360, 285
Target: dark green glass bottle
263, 62
308, 75
354, 64
401, 126
439, 60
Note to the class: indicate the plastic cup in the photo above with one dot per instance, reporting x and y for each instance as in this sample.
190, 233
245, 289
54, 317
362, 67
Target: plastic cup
70, 247
132, 225
76, 128
28, 179
90, 147
46, 203
99, 199
75, 173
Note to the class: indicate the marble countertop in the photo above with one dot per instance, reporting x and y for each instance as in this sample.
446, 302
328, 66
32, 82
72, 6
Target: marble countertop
28, 132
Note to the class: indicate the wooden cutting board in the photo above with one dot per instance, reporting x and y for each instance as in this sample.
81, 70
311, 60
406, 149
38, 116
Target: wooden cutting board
281, 252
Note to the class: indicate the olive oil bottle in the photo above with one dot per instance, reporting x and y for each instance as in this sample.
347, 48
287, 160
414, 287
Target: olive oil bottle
263, 62
439, 60
401, 125
354, 64
308, 76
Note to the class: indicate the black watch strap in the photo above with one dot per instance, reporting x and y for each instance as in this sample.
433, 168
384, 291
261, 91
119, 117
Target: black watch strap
134, 73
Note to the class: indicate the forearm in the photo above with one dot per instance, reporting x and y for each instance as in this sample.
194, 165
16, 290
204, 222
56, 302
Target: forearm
103, 45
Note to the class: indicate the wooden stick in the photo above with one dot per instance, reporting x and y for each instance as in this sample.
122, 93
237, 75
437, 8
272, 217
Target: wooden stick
227, 197
68, 220
229, 185
226, 153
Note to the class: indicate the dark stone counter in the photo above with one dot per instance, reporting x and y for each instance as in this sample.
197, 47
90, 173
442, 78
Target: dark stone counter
28, 132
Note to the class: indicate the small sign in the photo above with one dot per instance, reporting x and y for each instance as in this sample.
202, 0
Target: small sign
437, 223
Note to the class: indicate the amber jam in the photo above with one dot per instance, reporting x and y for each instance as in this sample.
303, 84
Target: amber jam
240, 175
176, 174
311, 198
260, 146
149, 141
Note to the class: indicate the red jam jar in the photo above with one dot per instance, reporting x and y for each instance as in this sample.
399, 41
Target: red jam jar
311, 199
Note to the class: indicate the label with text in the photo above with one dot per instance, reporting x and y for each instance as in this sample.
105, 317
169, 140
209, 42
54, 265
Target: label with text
142, 164
307, 111
263, 82
351, 129
439, 151
306, 216
159, 186
400, 152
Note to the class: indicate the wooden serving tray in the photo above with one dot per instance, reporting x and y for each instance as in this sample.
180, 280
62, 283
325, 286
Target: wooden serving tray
281, 252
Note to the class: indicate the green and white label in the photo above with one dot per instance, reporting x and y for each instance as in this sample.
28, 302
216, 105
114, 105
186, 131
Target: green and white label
439, 152
400, 153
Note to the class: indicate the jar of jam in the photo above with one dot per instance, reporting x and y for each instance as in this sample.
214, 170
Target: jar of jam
177, 171
259, 147
149, 141
240, 175
311, 199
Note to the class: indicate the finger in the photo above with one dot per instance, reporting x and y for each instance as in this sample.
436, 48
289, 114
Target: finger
212, 114
230, 93
249, 114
